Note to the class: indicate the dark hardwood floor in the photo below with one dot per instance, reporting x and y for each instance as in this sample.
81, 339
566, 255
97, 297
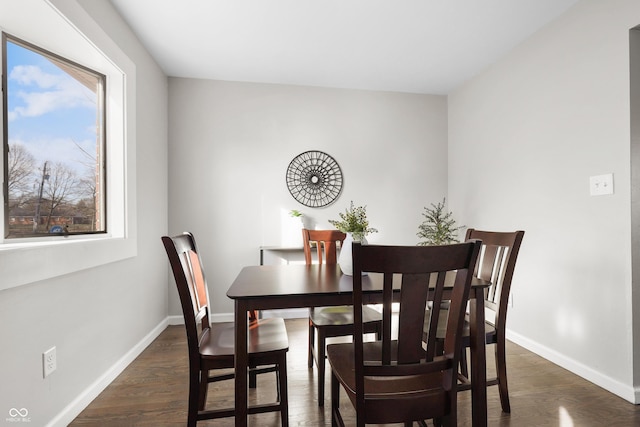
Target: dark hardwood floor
152, 391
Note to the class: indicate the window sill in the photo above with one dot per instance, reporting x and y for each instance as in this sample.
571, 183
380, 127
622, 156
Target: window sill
22, 263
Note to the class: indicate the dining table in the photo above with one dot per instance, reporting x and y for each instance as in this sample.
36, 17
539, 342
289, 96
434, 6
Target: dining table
266, 287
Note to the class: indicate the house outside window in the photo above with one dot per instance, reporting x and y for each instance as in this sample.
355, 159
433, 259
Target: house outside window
54, 144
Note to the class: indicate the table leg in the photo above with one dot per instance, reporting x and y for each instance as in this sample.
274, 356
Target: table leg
241, 363
478, 360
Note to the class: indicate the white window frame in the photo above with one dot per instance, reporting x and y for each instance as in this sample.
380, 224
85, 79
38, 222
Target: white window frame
64, 27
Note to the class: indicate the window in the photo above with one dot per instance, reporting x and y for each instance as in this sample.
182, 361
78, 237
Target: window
54, 118
68, 30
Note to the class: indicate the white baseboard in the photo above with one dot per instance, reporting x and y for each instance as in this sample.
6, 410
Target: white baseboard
175, 320
72, 410
612, 385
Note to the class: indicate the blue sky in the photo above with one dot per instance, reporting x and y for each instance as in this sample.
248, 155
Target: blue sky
48, 110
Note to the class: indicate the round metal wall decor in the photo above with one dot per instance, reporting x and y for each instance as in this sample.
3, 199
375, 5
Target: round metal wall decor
314, 179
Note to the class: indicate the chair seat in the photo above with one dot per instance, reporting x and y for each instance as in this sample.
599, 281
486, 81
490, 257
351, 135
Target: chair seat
341, 315
265, 336
379, 390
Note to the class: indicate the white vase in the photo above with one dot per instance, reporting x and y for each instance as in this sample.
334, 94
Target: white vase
345, 260
292, 232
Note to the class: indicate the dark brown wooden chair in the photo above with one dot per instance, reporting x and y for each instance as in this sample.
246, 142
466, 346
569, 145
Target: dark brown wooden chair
399, 381
330, 321
211, 345
496, 264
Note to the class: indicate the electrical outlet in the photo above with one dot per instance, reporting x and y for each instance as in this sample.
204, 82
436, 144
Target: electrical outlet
49, 362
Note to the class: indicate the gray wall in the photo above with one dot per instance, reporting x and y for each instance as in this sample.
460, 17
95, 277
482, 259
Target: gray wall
95, 317
230, 145
524, 138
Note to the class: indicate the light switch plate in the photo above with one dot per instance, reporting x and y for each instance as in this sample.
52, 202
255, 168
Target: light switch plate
601, 185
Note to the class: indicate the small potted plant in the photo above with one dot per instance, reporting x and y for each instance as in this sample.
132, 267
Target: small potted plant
296, 213
438, 227
355, 224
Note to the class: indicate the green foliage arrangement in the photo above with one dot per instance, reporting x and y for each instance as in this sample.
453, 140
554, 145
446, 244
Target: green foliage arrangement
295, 213
354, 220
438, 227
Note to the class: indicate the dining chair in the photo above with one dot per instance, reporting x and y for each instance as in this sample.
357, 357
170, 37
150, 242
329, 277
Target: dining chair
211, 345
400, 381
496, 264
330, 322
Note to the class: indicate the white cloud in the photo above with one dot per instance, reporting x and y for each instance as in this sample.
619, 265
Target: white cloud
44, 92
27, 75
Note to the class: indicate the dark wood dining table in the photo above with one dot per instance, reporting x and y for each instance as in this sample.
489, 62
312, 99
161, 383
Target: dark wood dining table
298, 286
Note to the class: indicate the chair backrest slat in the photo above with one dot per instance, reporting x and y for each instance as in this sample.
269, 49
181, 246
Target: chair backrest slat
497, 264
326, 242
195, 277
414, 294
436, 290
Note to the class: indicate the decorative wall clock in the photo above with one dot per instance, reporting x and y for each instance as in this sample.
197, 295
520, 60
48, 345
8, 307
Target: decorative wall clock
314, 179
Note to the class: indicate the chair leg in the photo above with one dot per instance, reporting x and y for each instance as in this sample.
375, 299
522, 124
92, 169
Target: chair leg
445, 421
311, 344
195, 395
321, 362
283, 391
501, 370
439, 348
253, 377
203, 387
335, 401
464, 366
278, 387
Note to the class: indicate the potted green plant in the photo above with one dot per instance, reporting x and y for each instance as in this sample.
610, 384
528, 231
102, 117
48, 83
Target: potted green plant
438, 228
353, 221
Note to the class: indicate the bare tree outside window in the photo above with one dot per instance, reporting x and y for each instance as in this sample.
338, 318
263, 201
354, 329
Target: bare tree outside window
21, 165
54, 139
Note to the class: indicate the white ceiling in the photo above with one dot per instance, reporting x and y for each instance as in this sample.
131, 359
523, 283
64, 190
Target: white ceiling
419, 46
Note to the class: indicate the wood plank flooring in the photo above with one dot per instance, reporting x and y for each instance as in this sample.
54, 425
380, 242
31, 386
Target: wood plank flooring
152, 391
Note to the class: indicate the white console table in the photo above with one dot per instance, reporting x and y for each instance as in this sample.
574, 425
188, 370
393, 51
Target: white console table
286, 254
